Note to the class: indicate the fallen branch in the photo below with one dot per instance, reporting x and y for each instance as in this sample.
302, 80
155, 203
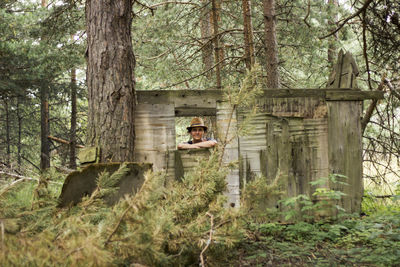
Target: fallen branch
382, 196
59, 140
64, 169
30, 162
202, 264
22, 178
117, 225
12, 185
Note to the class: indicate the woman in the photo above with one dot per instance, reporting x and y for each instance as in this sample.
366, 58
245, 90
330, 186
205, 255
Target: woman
197, 131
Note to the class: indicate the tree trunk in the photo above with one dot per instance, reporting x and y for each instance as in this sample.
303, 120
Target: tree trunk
44, 129
248, 34
332, 21
110, 78
19, 144
206, 38
8, 139
44, 123
72, 137
271, 45
216, 10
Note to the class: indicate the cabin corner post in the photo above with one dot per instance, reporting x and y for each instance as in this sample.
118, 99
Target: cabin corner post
227, 125
345, 136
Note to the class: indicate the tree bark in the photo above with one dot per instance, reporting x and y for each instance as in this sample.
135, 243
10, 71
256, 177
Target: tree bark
72, 136
44, 129
206, 38
8, 139
44, 122
271, 45
248, 34
216, 10
19, 144
110, 78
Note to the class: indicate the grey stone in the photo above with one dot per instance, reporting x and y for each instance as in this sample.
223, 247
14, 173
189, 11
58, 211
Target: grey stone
81, 183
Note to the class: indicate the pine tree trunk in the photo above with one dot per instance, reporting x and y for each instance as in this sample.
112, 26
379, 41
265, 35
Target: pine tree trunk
19, 144
206, 36
8, 139
110, 78
271, 45
44, 129
72, 137
216, 9
44, 123
248, 34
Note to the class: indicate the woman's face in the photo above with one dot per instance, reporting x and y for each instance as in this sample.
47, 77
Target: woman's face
197, 134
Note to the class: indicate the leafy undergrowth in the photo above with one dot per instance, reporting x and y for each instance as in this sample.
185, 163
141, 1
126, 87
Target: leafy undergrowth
183, 224
367, 241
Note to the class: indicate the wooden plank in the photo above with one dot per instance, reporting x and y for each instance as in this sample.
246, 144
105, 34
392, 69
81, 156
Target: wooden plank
272, 153
335, 79
155, 133
231, 154
283, 93
293, 152
353, 95
180, 98
195, 112
250, 145
208, 98
345, 150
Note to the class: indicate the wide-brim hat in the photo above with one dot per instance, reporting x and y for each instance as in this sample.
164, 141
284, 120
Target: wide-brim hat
196, 122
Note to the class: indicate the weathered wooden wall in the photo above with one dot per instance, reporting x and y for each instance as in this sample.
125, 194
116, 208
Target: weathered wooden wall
289, 146
155, 133
185, 160
300, 136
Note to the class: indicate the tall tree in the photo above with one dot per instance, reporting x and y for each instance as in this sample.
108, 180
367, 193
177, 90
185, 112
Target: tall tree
19, 138
110, 78
72, 135
8, 140
271, 44
44, 122
216, 16
44, 128
248, 34
206, 34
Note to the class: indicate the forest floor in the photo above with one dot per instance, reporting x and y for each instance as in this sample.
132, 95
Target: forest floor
365, 241
181, 225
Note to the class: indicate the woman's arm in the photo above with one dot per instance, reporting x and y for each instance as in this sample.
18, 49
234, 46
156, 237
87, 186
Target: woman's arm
209, 143
204, 144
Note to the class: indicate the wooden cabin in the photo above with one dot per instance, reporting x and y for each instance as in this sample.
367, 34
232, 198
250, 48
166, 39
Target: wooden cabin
300, 135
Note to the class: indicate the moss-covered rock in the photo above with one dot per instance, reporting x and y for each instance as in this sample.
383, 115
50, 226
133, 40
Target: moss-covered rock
81, 183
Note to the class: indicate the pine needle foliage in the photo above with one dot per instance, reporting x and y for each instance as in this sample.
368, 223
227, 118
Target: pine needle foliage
162, 224
170, 225
174, 224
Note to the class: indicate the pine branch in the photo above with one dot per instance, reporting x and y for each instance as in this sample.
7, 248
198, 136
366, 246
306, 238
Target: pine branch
364, 7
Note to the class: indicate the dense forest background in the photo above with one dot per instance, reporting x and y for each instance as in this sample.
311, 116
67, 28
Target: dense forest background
196, 44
